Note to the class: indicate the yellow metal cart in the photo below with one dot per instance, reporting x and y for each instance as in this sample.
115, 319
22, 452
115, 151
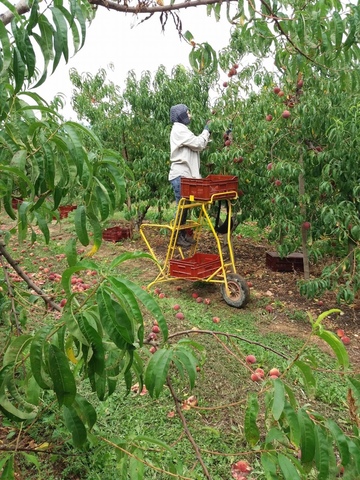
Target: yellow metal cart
197, 196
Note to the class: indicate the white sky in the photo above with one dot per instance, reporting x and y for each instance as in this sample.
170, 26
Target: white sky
114, 37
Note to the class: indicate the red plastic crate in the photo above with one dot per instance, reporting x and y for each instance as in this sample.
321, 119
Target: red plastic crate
200, 265
204, 188
294, 261
16, 202
66, 209
117, 233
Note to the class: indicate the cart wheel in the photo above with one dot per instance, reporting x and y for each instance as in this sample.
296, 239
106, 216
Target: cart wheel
239, 291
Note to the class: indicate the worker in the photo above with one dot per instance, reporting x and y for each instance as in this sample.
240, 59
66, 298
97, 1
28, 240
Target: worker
185, 148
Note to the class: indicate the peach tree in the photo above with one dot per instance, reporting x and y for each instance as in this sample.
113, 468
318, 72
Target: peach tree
293, 111
135, 121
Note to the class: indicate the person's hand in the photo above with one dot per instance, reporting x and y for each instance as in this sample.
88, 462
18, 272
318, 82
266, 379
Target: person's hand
207, 126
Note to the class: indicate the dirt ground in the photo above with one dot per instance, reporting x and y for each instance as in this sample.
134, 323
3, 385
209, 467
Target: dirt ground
279, 289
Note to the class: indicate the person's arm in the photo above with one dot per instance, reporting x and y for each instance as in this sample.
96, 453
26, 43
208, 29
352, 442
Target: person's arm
185, 138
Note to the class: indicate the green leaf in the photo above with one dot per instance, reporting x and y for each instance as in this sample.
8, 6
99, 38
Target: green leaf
19, 70
136, 466
114, 320
307, 441
323, 453
13, 353
43, 226
288, 469
98, 357
293, 422
80, 225
85, 411
157, 371
252, 433
8, 471
38, 366
341, 441
62, 376
75, 426
279, 399
269, 463
189, 361
337, 346
71, 253
6, 49
148, 301
307, 375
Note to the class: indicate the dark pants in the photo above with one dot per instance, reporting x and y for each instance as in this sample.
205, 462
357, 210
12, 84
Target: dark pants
176, 184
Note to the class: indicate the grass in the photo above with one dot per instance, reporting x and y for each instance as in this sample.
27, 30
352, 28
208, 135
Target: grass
222, 385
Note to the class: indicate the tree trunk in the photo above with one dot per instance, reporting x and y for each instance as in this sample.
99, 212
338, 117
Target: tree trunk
304, 231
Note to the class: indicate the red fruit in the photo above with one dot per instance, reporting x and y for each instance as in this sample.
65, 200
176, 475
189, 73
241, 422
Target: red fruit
306, 225
161, 295
195, 295
269, 166
240, 159
235, 160
63, 302
276, 90
235, 66
176, 307
207, 301
180, 316
157, 291
216, 319
228, 143
274, 372
278, 183
346, 340
199, 300
340, 333
281, 93
320, 303
286, 114
155, 329
255, 377
300, 84
241, 466
260, 372
225, 84
268, 118
152, 349
249, 284
269, 308
251, 359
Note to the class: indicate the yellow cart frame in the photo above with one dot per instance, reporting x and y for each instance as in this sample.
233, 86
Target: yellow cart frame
234, 288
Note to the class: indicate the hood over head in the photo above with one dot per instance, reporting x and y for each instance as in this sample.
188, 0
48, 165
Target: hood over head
178, 113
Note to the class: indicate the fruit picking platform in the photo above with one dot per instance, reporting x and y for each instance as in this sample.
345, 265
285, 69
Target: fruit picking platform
197, 196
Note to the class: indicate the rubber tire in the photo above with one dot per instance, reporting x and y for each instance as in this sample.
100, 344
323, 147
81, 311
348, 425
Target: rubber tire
239, 291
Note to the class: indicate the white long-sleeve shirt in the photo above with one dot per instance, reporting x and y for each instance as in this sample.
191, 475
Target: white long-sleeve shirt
185, 148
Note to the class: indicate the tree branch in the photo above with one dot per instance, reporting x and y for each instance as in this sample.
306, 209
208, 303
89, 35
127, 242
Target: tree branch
48, 300
186, 429
142, 8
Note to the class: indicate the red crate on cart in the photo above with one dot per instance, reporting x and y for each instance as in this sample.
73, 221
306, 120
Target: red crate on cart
204, 188
117, 233
200, 265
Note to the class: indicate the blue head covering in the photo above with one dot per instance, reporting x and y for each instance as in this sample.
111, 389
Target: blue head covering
178, 113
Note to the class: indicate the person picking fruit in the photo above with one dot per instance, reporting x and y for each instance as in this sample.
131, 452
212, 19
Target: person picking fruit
185, 148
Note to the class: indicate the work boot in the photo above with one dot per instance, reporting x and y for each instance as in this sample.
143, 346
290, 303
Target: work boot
182, 242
